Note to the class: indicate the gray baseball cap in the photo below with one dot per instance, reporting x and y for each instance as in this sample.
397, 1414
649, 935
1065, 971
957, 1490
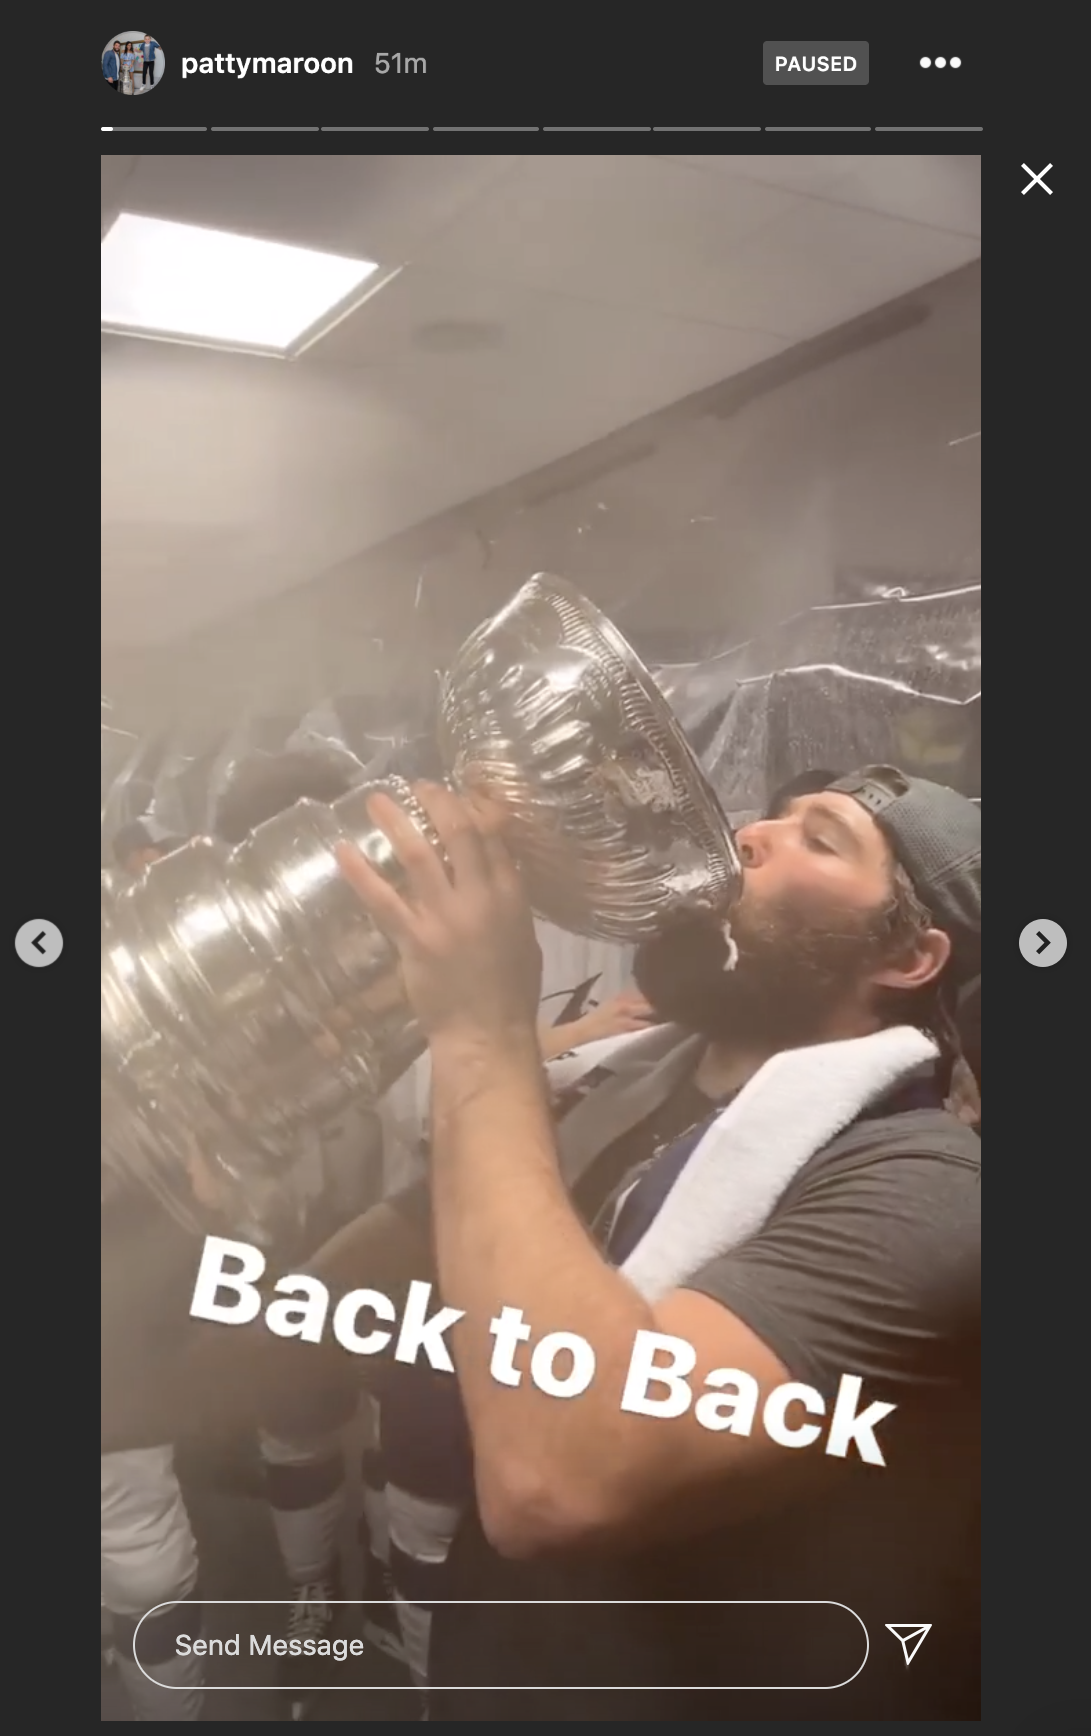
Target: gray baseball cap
935, 834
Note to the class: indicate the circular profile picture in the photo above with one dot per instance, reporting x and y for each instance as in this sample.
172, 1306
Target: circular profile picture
132, 63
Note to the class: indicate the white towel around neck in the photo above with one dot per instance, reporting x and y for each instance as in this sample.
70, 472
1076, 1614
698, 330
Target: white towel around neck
794, 1106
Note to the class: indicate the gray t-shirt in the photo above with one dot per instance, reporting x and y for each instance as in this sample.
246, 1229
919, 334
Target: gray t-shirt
869, 1265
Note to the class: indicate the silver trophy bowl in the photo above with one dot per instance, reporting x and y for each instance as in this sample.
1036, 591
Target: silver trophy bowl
247, 997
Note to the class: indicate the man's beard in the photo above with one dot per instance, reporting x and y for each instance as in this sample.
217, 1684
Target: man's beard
795, 969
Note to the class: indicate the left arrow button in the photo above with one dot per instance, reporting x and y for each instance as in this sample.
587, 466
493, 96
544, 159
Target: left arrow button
39, 943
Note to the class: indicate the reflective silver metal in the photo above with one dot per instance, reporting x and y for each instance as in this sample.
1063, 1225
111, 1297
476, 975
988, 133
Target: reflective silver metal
246, 995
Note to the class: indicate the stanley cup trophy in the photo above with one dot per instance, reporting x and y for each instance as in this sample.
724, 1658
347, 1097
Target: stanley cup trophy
246, 994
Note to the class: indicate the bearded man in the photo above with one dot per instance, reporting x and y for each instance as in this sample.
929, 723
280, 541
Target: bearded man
752, 1237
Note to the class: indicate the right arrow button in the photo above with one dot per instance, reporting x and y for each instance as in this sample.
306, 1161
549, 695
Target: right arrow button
1043, 943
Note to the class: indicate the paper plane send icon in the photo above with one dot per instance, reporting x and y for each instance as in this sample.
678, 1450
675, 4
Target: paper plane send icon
910, 1636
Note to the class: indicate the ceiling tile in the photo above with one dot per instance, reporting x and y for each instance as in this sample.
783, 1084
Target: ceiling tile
828, 264
812, 175
635, 231
378, 206
941, 191
561, 373
427, 318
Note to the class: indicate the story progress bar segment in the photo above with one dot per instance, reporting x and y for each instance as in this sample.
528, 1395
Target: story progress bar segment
523, 129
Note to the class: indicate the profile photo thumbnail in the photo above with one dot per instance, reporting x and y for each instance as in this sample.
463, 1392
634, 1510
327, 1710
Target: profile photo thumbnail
133, 63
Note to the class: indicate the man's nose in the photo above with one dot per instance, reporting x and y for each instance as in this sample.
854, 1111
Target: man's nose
754, 842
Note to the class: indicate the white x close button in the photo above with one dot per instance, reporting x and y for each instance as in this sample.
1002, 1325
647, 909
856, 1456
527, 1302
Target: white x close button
1037, 179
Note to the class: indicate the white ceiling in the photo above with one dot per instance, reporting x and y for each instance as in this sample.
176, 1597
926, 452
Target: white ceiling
544, 302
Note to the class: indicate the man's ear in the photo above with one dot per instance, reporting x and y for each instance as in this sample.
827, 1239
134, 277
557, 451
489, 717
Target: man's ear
930, 953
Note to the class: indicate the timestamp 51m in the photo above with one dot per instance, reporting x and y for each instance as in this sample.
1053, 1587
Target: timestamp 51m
400, 63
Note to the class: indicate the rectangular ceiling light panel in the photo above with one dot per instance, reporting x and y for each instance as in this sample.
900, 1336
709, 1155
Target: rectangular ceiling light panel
206, 286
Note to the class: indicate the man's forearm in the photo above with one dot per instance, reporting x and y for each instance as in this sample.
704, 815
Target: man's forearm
508, 1236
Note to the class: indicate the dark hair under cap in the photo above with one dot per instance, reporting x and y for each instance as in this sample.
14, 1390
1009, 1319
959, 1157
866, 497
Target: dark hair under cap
935, 834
